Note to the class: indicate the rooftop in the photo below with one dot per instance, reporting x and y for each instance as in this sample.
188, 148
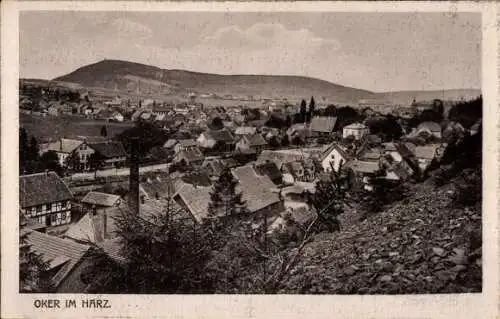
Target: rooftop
42, 188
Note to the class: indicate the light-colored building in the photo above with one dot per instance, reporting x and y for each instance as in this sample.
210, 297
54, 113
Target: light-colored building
334, 156
358, 130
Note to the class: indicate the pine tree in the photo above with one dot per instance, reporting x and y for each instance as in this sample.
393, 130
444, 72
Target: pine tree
225, 201
23, 152
312, 106
32, 268
302, 111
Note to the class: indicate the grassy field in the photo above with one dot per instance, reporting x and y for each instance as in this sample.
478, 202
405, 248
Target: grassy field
52, 128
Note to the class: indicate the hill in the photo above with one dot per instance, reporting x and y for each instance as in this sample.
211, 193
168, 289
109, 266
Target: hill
139, 78
134, 79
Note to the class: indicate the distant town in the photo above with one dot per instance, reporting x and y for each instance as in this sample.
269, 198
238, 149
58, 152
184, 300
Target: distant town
130, 194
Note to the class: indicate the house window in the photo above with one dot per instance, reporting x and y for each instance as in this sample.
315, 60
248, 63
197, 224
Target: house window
68, 217
41, 220
53, 207
44, 208
39, 209
59, 206
53, 219
33, 212
63, 205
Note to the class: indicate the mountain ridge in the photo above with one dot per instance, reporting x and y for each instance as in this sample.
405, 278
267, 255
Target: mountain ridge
143, 79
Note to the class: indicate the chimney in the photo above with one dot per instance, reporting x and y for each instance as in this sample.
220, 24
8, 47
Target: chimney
134, 176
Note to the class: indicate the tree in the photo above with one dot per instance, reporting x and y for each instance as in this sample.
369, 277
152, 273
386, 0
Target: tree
274, 142
288, 121
285, 141
216, 123
162, 254
24, 165
329, 198
224, 200
347, 115
387, 128
312, 106
50, 162
383, 192
96, 161
104, 131
302, 111
331, 110
296, 140
32, 268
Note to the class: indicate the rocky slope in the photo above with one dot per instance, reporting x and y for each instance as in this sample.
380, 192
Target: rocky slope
420, 245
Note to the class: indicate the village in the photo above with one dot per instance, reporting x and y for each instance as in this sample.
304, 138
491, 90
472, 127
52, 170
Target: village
276, 156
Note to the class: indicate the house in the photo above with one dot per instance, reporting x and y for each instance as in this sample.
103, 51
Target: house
425, 155
211, 138
297, 193
170, 143
429, 128
421, 106
297, 171
215, 166
136, 115
64, 149
185, 145
362, 171
112, 153
270, 170
280, 157
99, 222
298, 129
158, 187
117, 117
192, 156
257, 192
358, 130
245, 130
194, 198
46, 198
65, 258
251, 144
322, 126
333, 157
161, 111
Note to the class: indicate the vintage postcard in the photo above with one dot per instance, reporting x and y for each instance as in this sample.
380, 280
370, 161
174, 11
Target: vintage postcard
238, 159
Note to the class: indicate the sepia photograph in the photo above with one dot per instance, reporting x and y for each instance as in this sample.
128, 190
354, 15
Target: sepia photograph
332, 153
248, 152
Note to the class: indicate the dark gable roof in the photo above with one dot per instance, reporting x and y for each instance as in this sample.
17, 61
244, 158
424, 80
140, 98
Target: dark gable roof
109, 149
324, 124
220, 136
339, 149
271, 170
255, 140
431, 126
191, 155
101, 199
42, 188
57, 251
256, 189
197, 178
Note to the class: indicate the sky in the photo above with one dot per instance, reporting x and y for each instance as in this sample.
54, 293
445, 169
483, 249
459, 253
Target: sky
372, 51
